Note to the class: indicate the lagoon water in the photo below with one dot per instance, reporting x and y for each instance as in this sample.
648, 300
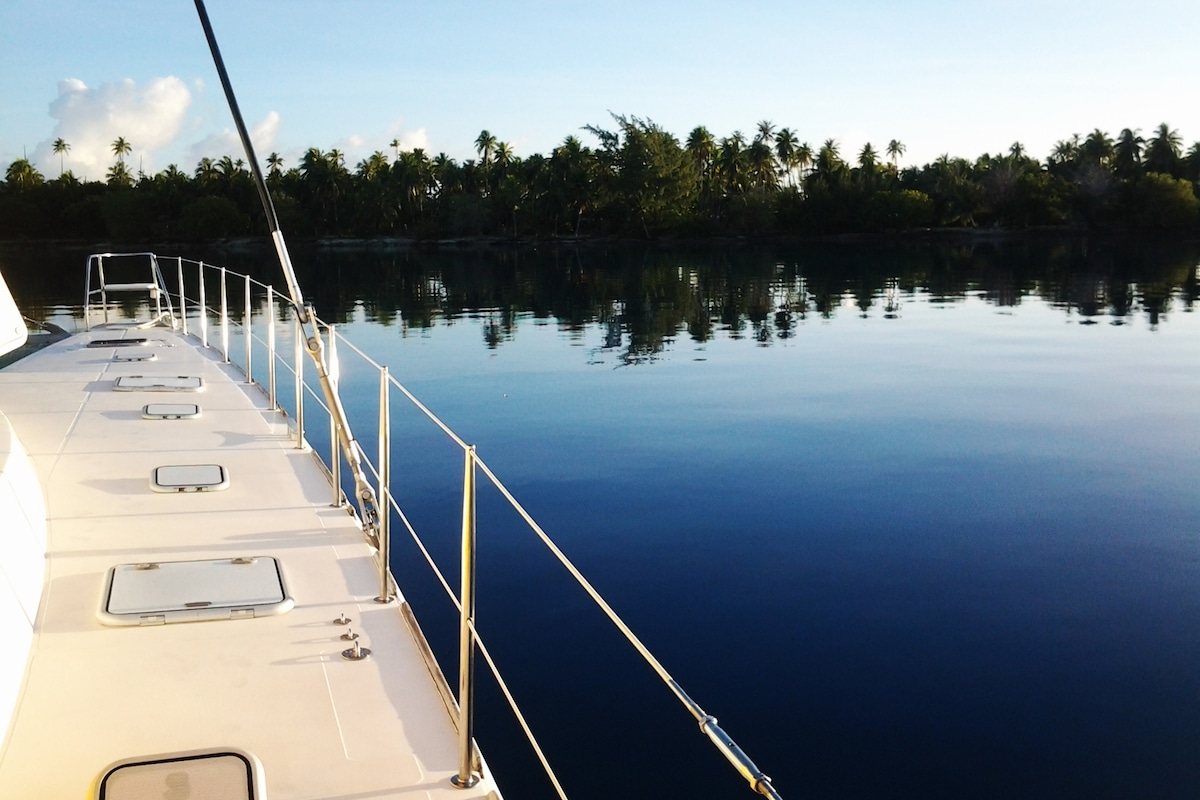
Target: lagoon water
912, 521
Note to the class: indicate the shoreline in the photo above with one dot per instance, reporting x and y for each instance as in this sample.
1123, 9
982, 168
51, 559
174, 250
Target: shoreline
926, 236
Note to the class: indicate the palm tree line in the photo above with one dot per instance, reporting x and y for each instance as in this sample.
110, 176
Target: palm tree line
637, 180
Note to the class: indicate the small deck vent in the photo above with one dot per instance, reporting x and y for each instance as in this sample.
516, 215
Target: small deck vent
189, 478
170, 411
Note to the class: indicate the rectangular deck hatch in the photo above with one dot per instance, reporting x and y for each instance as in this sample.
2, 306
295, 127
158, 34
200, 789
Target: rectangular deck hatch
159, 383
189, 478
131, 342
193, 591
226, 774
170, 411
132, 355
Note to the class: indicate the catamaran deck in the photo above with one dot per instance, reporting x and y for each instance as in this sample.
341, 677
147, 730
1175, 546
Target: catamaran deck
275, 686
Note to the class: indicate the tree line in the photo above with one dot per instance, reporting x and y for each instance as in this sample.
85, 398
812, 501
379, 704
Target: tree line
637, 180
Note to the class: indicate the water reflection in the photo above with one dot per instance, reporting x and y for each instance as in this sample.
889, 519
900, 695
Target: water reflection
645, 297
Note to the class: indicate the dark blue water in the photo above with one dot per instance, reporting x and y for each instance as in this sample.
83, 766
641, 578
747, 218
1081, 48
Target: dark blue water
911, 522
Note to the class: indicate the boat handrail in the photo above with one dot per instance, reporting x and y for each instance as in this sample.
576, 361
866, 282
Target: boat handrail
470, 640
155, 287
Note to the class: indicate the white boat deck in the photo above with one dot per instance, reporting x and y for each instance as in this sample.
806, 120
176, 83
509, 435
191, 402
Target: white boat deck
274, 686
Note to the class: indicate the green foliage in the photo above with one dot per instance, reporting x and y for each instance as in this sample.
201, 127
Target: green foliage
646, 179
638, 180
897, 210
1160, 202
128, 215
214, 218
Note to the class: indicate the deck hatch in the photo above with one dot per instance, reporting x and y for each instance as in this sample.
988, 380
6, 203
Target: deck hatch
189, 478
131, 342
133, 355
193, 591
159, 383
170, 411
225, 774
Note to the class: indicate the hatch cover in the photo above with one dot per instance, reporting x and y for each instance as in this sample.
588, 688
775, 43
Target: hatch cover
159, 383
189, 478
227, 774
193, 591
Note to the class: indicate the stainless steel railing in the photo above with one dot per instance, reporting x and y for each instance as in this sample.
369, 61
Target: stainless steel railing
266, 337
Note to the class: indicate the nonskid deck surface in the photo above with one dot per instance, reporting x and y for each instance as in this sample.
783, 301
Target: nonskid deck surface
274, 686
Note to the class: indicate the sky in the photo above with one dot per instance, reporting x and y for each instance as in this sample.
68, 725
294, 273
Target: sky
961, 77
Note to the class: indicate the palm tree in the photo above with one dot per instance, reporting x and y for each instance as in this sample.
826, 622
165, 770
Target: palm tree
804, 158
484, 144
323, 175
1016, 150
121, 148
785, 149
206, 172
868, 165
440, 172
22, 174
895, 149
172, 175
1163, 151
118, 175
61, 147
731, 163
1127, 153
226, 168
373, 166
1062, 158
702, 148
1097, 148
1192, 162
274, 166
828, 161
504, 156
761, 161
867, 157
766, 131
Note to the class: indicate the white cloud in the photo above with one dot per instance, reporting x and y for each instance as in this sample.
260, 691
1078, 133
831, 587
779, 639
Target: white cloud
227, 143
149, 117
409, 140
415, 139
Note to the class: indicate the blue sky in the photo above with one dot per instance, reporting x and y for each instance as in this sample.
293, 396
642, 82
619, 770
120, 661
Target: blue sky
942, 76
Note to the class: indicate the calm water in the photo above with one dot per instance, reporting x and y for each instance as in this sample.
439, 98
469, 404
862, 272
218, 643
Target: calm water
912, 522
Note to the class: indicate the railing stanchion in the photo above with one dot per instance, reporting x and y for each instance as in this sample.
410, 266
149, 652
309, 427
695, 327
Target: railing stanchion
335, 456
103, 293
385, 493
271, 347
203, 307
246, 321
182, 297
298, 336
467, 777
224, 319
